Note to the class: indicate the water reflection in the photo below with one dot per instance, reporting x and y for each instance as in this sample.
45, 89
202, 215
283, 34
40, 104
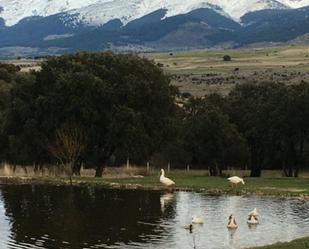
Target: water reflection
71, 217
64, 217
4, 225
166, 200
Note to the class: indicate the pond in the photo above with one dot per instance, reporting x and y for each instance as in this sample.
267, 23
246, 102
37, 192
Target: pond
81, 217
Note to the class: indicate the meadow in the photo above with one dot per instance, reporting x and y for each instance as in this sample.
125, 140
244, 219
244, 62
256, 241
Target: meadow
271, 183
204, 71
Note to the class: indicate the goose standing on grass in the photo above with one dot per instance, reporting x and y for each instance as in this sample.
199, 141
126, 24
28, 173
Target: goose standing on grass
232, 224
235, 180
164, 180
197, 220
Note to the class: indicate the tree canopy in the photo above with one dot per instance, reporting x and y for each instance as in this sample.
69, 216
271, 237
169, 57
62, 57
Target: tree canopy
103, 108
123, 104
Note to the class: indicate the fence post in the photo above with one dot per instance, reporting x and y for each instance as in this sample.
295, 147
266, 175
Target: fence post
188, 167
168, 167
128, 163
148, 167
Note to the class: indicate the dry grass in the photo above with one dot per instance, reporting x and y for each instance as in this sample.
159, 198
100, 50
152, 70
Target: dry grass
55, 171
131, 171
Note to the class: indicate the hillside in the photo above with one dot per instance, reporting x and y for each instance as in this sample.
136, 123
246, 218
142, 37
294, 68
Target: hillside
204, 71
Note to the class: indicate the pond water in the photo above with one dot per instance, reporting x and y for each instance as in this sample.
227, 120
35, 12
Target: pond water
80, 217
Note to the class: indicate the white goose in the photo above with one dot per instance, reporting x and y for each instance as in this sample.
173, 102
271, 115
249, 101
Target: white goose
254, 213
253, 217
235, 180
197, 220
164, 180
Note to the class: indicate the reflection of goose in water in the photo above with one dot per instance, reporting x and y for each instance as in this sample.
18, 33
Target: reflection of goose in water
165, 200
197, 220
164, 180
232, 224
232, 233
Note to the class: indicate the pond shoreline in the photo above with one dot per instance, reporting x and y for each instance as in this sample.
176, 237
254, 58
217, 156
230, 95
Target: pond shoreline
301, 243
113, 184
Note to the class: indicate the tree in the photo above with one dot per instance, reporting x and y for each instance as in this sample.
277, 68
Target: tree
227, 58
69, 144
258, 111
210, 138
295, 128
124, 104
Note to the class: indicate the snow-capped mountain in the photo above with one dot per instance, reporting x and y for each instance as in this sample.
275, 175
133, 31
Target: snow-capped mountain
295, 3
98, 12
54, 26
101, 12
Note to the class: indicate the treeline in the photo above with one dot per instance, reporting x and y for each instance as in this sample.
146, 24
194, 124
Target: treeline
100, 109
259, 126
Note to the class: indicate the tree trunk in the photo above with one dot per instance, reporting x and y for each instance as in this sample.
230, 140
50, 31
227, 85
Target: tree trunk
255, 166
36, 168
296, 172
14, 168
215, 170
292, 161
300, 157
71, 166
255, 171
77, 167
99, 170
102, 162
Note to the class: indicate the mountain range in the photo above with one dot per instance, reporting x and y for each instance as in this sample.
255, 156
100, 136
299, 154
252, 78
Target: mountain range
56, 26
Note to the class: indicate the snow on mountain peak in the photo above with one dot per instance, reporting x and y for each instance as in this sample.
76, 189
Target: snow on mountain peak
15, 10
295, 3
100, 12
97, 12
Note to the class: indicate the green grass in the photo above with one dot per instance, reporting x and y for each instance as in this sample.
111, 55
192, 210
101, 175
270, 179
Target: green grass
295, 244
196, 181
216, 185
271, 183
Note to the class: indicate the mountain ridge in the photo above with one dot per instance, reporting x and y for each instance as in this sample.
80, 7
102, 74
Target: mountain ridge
98, 12
160, 30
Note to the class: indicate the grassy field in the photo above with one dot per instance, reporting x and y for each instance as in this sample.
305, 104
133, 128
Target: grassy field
295, 244
204, 71
219, 185
248, 59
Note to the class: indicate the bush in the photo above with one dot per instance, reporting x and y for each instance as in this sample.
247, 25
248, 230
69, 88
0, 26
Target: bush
227, 58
